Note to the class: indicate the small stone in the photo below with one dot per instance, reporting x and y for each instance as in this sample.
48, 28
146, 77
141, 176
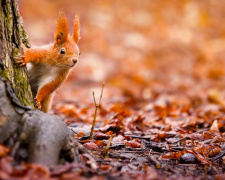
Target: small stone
188, 158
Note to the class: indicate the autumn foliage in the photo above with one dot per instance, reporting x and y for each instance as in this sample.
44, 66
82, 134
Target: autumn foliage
164, 97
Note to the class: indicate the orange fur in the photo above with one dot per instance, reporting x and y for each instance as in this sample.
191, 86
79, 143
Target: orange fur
49, 88
35, 55
62, 29
49, 66
76, 30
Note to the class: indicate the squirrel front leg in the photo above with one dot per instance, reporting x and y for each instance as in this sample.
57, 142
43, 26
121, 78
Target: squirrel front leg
44, 92
47, 90
46, 104
36, 55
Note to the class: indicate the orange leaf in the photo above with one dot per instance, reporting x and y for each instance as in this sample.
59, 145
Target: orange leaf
3, 151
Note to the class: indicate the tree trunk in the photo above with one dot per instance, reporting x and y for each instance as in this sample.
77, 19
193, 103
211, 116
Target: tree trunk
12, 34
32, 135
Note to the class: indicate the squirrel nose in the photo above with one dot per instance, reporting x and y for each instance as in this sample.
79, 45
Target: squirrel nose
74, 60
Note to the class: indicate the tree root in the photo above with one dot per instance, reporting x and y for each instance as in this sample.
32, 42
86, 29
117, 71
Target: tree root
46, 136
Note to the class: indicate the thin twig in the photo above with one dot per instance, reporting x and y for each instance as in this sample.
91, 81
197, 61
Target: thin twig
218, 156
155, 161
96, 110
105, 151
178, 140
94, 98
101, 93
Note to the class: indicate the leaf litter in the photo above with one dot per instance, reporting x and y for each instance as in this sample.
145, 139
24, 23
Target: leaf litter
164, 97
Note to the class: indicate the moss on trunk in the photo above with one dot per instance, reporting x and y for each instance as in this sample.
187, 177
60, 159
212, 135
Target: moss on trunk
12, 34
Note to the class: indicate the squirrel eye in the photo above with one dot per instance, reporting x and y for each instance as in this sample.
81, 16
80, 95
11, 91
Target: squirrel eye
79, 53
62, 51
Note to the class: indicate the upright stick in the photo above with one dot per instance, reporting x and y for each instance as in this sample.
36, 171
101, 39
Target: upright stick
96, 110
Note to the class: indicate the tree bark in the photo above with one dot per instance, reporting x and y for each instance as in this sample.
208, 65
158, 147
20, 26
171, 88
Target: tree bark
32, 135
12, 34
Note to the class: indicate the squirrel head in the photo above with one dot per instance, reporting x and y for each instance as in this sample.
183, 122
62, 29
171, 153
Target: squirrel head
65, 51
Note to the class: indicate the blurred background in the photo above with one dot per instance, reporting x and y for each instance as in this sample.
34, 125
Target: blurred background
138, 48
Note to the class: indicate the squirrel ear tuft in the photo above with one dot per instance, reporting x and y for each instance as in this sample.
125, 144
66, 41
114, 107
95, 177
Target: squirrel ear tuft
76, 30
62, 29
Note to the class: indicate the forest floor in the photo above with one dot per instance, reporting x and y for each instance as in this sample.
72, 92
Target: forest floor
164, 97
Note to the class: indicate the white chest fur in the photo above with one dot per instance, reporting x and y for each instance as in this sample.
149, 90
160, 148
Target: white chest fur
40, 75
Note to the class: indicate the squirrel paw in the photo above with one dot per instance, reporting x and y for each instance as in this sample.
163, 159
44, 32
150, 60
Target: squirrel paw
20, 60
37, 103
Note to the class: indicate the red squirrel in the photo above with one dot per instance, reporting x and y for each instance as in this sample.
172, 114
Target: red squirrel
48, 66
